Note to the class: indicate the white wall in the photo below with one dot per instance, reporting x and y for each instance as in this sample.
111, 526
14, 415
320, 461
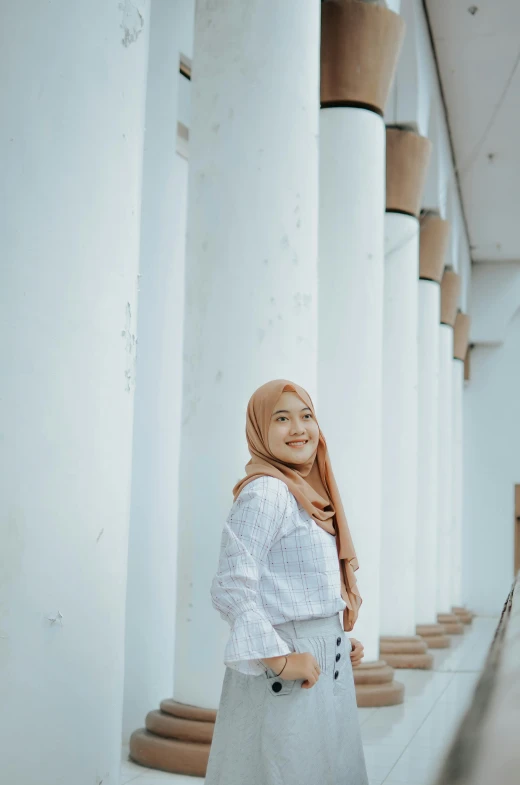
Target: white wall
491, 469
495, 296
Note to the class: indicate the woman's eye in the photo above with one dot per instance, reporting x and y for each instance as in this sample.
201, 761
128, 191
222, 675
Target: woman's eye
279, 419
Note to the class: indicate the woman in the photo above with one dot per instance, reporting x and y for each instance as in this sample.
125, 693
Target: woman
287, 713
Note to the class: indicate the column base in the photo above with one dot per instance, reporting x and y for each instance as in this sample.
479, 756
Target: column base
375, 685
176, 739
434, 635
401, 651
463, 614
451, 623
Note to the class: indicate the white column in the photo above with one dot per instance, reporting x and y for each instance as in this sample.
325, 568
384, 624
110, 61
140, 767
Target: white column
73, 127
356, 73
461, 342
457, 390
428, 452
450, 291
399, 458
445, 511
434, 289
352, 208
152, 553
251, 277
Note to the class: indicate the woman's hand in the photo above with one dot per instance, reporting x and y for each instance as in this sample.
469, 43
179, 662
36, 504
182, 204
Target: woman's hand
302, 666
299, 666
357, 653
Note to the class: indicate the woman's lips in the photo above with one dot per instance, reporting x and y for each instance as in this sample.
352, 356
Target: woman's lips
297, 444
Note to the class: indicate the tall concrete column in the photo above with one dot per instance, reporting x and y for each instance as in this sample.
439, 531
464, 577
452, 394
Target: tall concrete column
152, 552
250, 308
73, 129
450, 291
407, 156
460, 347
360, 45
434, 236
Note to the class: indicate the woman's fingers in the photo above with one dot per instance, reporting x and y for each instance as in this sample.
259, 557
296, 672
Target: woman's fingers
313, 676
357, 653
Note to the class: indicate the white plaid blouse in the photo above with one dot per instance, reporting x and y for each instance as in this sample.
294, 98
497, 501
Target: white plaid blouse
276, 565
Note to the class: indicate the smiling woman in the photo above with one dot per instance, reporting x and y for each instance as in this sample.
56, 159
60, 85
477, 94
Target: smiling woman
281, 588
293, 438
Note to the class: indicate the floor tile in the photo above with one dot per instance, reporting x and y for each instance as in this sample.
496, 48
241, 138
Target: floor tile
383, 755
416, 767
376, 779
413, 781
163, 778
126, 778
364, 714
129, 768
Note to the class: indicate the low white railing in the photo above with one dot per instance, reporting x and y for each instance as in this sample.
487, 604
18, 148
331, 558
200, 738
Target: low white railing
486, 747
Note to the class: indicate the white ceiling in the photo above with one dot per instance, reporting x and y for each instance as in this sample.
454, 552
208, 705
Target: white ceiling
479, 59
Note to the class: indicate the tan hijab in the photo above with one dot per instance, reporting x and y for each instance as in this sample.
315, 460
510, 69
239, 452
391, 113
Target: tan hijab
312, 483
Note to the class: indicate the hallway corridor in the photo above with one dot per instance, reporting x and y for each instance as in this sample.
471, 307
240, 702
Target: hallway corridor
403, 744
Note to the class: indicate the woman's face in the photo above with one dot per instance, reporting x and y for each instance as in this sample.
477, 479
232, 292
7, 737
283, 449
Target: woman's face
293, 432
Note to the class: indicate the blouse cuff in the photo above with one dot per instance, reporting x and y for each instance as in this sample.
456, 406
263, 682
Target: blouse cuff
252, 639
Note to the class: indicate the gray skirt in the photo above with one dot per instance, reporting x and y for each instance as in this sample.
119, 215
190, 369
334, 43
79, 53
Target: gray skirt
270, 731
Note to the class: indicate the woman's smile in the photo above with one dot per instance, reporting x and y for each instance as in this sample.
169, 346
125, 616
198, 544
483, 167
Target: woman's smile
293, 429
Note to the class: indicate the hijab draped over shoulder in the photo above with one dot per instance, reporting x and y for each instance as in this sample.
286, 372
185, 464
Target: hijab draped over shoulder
312, 483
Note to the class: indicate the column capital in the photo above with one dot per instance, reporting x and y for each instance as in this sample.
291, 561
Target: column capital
407, 159
360, 45
450, 292
461, 336
433, 246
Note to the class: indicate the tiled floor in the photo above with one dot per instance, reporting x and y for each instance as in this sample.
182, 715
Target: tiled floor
403, 744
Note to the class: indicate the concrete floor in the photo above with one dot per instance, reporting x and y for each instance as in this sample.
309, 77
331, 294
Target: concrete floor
404, 744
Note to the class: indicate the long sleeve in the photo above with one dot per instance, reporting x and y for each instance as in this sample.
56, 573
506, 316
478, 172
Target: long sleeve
253, 524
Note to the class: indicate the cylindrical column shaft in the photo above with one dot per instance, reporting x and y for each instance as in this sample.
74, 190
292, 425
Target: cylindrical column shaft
428, 452
399, 496
152, 552
457, 391
445, 535
460, 349
352, 203
360, 44
407, 156
450, 291
73, 125
433, 246
251, 278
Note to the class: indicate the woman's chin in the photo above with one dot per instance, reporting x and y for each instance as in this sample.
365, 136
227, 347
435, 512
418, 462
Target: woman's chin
297, 456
